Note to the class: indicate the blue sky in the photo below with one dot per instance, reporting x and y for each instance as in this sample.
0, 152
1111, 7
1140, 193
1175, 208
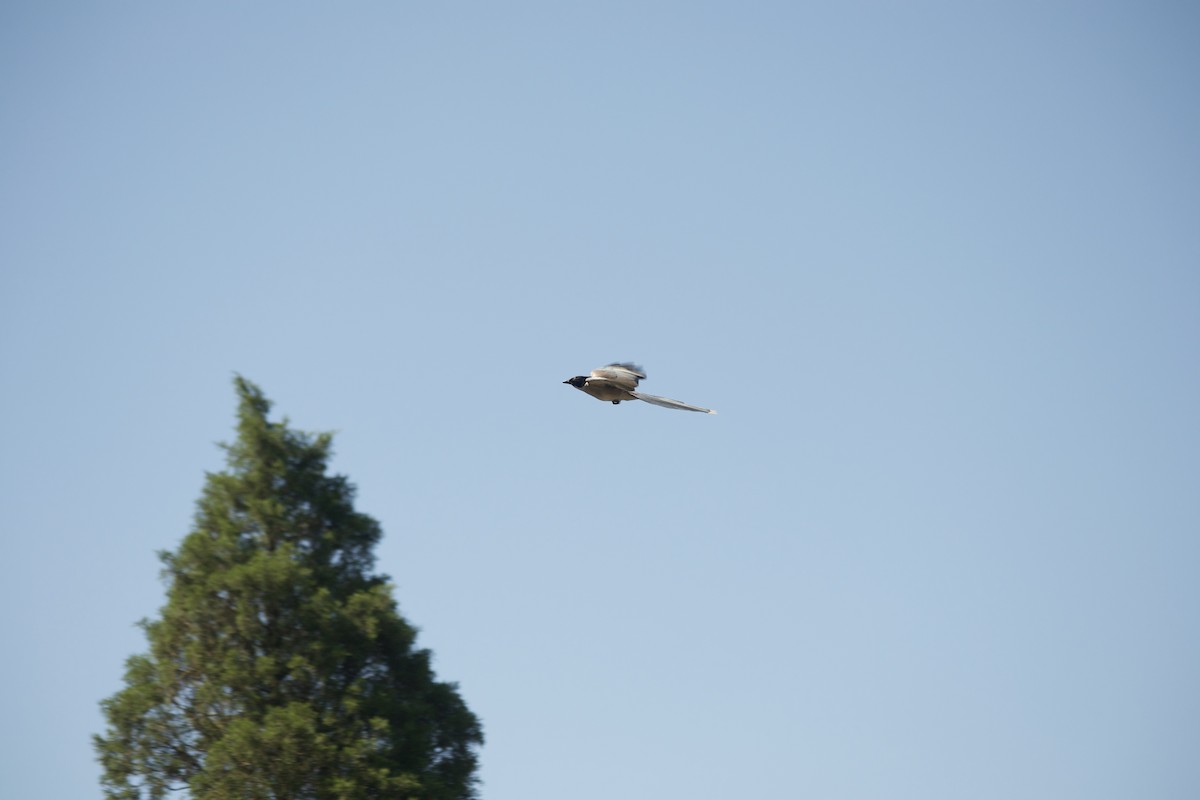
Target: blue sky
937, 265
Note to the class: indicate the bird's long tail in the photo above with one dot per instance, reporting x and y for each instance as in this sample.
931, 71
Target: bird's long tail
667, 402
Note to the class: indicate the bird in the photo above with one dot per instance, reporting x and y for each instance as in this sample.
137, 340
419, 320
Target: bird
618, 381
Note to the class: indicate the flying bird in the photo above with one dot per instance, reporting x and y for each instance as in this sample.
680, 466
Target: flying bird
617, 382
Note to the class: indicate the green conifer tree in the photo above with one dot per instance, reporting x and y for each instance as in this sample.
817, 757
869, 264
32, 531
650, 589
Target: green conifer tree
280, 668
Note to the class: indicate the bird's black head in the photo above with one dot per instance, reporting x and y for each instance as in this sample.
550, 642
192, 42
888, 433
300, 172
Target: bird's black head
578, 381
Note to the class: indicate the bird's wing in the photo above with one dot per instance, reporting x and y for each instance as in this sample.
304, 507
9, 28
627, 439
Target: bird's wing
625, 376
667, 402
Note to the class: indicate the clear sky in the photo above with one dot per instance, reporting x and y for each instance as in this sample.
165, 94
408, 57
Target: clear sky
937, 265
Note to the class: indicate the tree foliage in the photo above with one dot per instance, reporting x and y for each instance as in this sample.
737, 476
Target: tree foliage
280, 667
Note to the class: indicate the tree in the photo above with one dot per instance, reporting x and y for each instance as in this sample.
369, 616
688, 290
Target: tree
280, 668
